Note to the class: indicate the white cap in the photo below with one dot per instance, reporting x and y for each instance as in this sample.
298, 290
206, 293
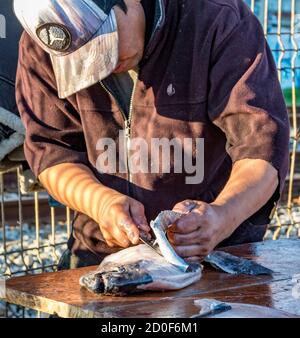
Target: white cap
80, 37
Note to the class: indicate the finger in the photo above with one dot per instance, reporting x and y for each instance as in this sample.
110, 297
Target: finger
187, 223
143, 227
191, 251
116, 237
106, 238
112, 244
185, 206
137, 212
145, 235
184, 239
127, 225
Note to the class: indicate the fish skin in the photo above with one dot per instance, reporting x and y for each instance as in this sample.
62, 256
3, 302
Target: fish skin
159, 227
93, 282
235, 265
119, 281
167, 218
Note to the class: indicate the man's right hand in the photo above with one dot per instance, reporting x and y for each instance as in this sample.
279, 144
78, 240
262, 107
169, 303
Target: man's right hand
121, 218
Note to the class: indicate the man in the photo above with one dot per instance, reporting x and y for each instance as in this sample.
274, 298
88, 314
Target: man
162, 69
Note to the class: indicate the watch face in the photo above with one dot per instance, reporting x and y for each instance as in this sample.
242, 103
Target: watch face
55, 36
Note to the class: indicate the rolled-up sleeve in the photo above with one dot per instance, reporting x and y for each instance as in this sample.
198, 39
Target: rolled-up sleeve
54, 132
246, 100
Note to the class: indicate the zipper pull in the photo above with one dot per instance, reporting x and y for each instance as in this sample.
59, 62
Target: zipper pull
127, 128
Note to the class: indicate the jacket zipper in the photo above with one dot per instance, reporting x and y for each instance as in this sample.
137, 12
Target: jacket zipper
128, 126
127, 123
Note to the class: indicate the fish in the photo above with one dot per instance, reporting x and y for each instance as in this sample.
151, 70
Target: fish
235, 265
155, 266
136, 270
144, 267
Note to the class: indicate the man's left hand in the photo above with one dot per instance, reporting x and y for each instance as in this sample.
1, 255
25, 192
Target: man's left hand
198, 232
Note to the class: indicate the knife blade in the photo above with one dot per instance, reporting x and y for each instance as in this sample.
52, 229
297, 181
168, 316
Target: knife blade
150, 244
219, 308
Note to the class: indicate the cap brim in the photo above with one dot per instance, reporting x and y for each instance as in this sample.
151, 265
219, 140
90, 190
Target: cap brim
89, 64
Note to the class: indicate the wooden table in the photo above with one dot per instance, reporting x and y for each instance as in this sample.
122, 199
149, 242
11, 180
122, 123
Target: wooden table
59, 293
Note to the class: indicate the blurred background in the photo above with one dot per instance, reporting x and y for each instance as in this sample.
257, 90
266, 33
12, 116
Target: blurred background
34, 228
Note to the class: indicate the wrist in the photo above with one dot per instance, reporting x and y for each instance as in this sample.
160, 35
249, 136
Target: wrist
226, 217
102, 201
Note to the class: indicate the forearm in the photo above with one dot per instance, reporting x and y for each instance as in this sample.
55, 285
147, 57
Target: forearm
75, 186
252, 183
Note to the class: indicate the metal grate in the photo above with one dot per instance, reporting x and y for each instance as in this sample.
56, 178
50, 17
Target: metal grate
281, 23
33, 235
31, 245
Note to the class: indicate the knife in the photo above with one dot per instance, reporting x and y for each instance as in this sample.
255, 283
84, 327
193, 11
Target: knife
219, 308
150, 244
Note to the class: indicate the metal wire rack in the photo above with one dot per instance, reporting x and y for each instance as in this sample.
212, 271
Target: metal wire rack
281, 22
33, 235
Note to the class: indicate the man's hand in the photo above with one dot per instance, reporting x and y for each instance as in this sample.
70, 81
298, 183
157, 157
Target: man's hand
250, 186
197, 233
121, 219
